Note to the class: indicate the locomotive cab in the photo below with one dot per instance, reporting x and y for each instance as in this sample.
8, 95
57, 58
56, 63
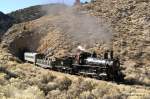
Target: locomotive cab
82, 58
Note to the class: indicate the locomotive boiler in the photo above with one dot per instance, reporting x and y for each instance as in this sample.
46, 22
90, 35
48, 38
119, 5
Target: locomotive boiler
106, 67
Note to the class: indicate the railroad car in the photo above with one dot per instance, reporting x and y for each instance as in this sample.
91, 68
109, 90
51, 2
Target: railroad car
32, 57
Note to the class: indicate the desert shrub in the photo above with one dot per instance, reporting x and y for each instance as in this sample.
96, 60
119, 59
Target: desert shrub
99, 92
32, 81
54, 94
52, 86
48, 87
18, 83
146, 81
43, 81
38, 79
86, 86
64, 83
67, 95
7, 90
47, 77
103, 89
3, 81
10, 91
33, 92
61, 95
110, 97
57, 94
79, 86
114, 96
87, 95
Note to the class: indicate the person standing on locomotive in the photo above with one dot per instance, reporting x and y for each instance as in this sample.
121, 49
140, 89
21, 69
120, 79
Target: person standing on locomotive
78, 56
83, 54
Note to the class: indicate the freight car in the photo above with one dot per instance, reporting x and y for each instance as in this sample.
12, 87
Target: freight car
84, 63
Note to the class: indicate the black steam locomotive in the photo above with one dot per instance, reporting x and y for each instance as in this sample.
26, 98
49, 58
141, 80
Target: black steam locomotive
83, 63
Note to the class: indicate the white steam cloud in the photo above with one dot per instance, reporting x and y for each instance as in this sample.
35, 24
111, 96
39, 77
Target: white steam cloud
81, 27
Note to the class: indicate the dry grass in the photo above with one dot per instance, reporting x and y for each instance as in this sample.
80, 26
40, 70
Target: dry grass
38, 83
13, 92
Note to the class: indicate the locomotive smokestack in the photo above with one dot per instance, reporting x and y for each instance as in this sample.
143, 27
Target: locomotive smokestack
106, 55
77, 2
111, 54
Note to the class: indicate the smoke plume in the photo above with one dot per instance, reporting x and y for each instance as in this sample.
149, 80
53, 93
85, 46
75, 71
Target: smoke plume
79, 25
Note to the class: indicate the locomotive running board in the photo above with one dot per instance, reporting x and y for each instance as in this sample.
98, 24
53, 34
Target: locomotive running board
43, 65
89, 66
94, 74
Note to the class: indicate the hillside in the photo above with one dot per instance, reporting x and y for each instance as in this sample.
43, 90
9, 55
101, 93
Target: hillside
41, 32
130, 19
24, 15
32, 13
60, 31
5, 23
27, 14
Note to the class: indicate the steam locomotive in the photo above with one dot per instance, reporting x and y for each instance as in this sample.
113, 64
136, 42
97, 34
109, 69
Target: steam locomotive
83, 63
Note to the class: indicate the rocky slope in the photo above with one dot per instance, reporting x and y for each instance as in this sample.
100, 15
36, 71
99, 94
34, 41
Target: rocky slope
131, 21
32, 13
24, 15
41, 32
27, 14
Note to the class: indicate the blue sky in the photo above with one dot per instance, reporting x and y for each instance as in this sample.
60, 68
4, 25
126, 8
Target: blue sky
7, 6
